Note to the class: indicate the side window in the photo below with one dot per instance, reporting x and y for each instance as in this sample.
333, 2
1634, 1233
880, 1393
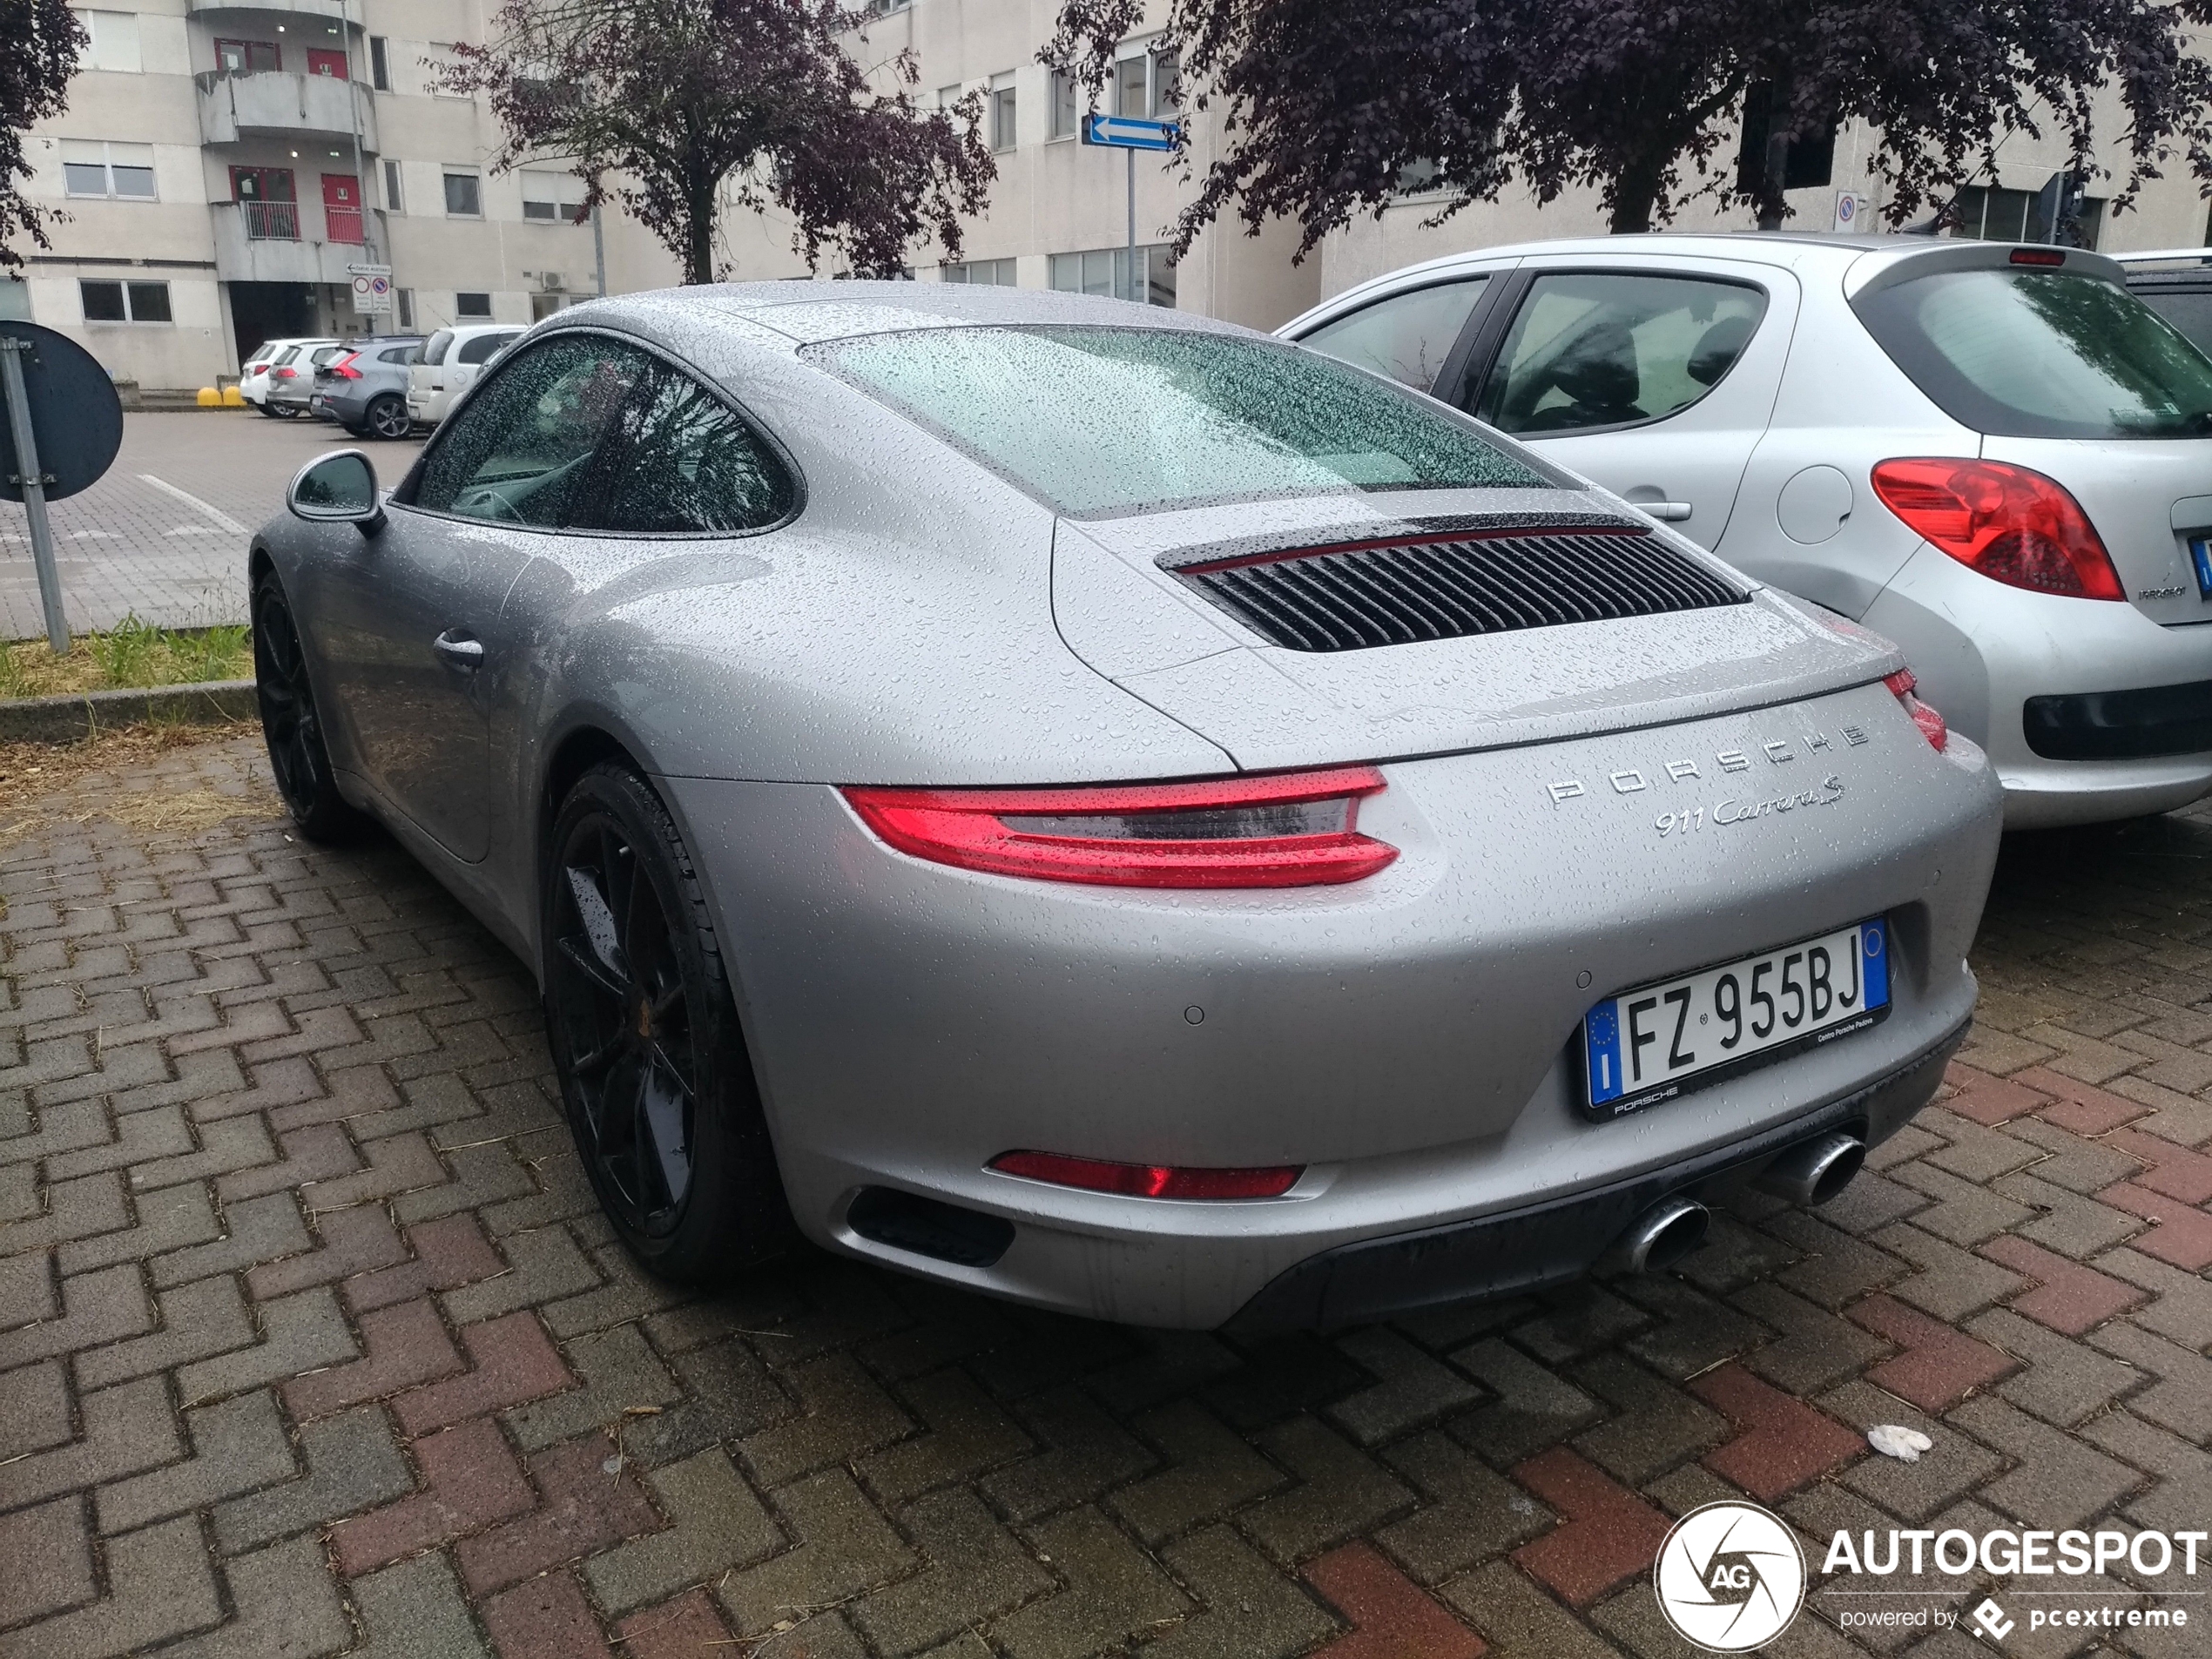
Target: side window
1596, 349
483, 348
678, 459
1407, 336
520, 451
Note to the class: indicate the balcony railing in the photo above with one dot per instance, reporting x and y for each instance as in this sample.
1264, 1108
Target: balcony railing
280, 222
345, 224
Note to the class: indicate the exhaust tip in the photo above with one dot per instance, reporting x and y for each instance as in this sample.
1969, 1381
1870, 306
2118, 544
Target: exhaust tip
1660, 1236
1815, 1171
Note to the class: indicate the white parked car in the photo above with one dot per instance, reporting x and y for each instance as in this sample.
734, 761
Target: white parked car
254, 373
450, 362
1995, 456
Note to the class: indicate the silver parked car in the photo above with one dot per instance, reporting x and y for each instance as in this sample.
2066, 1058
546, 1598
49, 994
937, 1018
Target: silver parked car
1111, 810
1995, 456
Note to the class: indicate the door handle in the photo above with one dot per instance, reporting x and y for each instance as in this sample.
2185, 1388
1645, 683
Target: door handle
459, 650
1671, 512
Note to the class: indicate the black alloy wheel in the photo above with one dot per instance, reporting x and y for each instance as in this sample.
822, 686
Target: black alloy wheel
653, 1067
290, 723
388, 417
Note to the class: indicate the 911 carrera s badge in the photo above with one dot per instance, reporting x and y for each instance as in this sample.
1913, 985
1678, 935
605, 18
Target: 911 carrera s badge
1634, 780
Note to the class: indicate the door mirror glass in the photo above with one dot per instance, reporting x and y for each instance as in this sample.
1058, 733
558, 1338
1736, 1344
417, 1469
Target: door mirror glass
1591, 350
339, 488
1407, 336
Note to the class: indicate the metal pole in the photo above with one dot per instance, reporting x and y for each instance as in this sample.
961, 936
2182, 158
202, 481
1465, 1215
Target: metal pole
1131, 156
33, 480
354, 108
599, 249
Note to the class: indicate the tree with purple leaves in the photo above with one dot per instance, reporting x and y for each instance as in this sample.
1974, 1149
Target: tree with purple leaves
1326, 109
39, 44
678, 108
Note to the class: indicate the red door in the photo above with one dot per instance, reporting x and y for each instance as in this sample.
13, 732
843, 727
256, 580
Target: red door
341, 207
322, 61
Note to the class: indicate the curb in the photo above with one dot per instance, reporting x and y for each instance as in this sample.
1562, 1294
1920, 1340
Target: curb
77, 715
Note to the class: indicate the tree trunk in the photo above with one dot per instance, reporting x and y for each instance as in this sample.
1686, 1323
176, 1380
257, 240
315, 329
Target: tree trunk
698, 250
1772, 204
1635, 193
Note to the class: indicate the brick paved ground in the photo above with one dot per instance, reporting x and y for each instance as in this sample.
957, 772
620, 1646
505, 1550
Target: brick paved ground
130, 544
312, 1342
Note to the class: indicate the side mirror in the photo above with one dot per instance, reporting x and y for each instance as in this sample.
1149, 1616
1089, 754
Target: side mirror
339, 488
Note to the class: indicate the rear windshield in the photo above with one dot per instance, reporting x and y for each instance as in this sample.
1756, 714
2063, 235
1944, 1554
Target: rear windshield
2027, 353
435, 352
1100, 421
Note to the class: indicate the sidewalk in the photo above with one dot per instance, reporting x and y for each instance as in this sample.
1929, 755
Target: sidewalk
312, 1341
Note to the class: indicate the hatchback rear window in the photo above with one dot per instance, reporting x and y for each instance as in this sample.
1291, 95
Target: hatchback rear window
2029, 353
1100, 421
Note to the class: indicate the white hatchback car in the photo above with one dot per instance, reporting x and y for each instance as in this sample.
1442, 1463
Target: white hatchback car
450, 362
254, 373
1993, 454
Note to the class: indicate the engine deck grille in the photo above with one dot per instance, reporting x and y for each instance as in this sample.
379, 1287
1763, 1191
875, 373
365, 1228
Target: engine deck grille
1397, 593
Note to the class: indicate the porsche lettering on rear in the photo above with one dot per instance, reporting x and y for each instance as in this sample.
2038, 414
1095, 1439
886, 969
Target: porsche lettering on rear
1632, 780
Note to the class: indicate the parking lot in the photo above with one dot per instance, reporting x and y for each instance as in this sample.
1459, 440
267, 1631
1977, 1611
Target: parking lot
164, 533
312, 1338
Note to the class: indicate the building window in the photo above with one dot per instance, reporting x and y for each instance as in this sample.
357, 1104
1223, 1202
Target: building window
1067, 112
394, 201
248, 56
124, 301
477, 307
123, 172
379, 64
15, 300
1105, 271
1146, 85
885, 8
946, 97
465, 197
996, 273
112, 41
552, 198
406, 297
1003, 136
1985, 213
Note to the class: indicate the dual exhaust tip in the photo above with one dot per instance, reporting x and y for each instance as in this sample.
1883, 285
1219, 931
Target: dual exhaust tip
1810, 1173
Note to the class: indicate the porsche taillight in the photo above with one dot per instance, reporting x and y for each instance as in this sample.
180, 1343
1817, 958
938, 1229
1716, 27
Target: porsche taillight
1150, 1180
1932, 726
1290, 829
2012, 525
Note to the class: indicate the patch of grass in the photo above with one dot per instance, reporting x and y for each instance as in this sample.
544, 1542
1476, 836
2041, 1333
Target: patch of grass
120, 775
133, 653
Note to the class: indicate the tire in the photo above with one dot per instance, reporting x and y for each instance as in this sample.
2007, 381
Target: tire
386, 418
290, 723
654, 1071
266, 411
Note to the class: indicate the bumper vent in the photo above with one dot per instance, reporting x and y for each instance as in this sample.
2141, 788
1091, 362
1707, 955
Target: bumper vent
1366, 594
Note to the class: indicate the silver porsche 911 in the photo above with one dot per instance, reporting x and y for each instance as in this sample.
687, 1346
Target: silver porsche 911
1112, 811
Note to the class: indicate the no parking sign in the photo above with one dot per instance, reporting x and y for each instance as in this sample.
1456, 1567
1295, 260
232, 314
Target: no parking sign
371, 289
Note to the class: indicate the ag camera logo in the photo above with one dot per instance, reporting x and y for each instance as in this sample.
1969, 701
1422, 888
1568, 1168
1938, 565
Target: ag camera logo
1729, 1577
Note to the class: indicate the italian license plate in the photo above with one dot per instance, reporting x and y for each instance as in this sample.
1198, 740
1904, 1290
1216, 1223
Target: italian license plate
2201, 562
1655, 1043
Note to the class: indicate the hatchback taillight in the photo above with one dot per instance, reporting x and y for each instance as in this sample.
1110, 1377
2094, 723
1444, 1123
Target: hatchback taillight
1932, 726
284, 373
344, 366
2012, 525
1293, 830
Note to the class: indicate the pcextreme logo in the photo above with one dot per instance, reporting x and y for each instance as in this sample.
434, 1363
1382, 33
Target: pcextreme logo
1729, 1577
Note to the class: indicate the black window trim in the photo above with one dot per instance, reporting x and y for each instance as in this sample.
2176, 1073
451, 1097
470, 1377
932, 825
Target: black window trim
403, 494
1482, 354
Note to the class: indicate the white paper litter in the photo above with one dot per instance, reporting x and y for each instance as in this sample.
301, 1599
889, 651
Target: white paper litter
1892, 1439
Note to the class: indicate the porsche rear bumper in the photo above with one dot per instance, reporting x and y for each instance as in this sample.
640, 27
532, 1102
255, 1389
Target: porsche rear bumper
1406, 1039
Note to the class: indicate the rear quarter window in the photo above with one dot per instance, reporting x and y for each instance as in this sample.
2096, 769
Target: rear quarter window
2022, 353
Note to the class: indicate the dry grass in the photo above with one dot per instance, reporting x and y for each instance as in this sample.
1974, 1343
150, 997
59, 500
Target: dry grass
120, 775
132, 654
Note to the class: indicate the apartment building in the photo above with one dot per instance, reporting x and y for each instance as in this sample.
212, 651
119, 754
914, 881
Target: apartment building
224, 163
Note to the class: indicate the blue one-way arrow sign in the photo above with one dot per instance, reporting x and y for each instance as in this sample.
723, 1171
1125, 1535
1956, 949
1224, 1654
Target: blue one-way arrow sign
1129, 132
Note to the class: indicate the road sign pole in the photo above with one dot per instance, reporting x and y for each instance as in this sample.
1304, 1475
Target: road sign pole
32, 480
1130, 155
